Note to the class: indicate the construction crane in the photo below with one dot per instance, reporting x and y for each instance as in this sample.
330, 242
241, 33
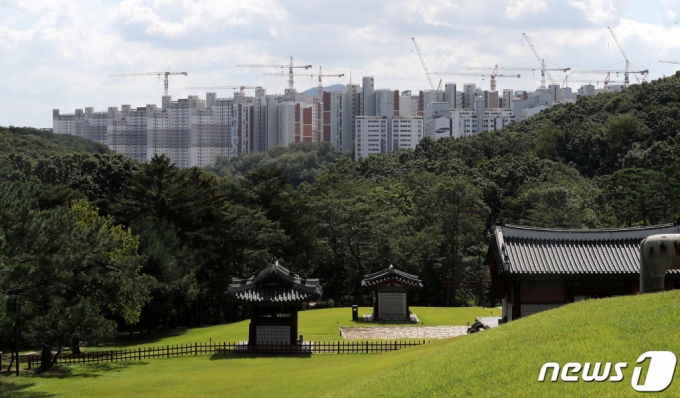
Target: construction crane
290, 69
320, 75
493, 76
670, 62
159, 74
240, 88
544, 71
628, 63
609, 72
626, 72
606, 81
494, 70
422, 61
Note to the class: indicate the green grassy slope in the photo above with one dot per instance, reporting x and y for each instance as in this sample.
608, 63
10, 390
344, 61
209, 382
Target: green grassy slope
315, 325
502, 362
506, 361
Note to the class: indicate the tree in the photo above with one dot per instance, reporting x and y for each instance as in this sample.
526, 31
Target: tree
635, 196
67, 267
170, 263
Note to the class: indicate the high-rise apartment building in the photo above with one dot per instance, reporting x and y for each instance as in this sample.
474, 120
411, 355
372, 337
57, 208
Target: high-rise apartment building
351, 109
368, 96
471, 121
407, 131
427, 97
371, 136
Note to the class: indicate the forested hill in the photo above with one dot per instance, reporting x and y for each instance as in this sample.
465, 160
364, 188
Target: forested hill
29, 154
606, 160
37, 143
92, 241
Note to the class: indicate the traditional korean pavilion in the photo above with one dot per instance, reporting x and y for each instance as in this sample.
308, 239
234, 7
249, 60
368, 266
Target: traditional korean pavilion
391, 292
274, 295
535, 269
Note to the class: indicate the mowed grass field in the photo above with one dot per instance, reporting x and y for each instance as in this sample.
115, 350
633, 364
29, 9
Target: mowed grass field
314, 325
501, 362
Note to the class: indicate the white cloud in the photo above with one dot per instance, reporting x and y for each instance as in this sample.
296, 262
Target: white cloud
517, 8
596, 11
59, 53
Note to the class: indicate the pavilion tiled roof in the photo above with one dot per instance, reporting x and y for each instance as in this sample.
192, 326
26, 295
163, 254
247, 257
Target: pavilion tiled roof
274, 285
540, 252
391, 274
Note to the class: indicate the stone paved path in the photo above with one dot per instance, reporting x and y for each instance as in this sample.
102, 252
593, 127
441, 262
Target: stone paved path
402, 332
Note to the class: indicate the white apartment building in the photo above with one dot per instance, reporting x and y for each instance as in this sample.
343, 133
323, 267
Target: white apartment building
407, 131
466, 121
191, 132
408, 105
371, 136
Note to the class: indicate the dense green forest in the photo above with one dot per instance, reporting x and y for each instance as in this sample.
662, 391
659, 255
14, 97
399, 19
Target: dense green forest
92, 242
301, 161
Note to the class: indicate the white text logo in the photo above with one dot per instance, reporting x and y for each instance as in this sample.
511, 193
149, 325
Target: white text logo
659, 374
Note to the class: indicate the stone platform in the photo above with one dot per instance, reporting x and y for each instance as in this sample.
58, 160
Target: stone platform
401, 332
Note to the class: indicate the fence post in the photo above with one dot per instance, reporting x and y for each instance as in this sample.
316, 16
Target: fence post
111, 355
366, 347
195, 348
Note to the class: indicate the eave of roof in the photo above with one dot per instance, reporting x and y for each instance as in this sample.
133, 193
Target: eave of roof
274, 284
391, 275
527, 252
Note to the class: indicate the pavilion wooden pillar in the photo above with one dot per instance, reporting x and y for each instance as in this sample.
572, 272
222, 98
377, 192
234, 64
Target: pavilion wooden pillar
293, 325
252, 328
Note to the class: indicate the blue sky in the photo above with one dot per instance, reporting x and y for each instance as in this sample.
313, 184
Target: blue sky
59, 53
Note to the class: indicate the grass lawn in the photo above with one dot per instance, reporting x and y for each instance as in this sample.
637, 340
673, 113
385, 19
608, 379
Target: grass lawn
314, 325
501, 362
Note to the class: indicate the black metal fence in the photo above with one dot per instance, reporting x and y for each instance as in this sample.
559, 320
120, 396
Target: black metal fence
170, 351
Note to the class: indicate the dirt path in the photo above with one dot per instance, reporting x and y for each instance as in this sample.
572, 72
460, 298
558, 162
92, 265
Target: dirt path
402, 332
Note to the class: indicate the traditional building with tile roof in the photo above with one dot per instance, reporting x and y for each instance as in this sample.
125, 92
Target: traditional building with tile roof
274, 295
390, 288
535, 269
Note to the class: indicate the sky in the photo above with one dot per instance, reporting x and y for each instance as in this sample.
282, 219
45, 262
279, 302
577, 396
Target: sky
58, 54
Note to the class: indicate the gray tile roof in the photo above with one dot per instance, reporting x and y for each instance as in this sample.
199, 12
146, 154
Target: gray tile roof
275, 285
391, 274
550, 252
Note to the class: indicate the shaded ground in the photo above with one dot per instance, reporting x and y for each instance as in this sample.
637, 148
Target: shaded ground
402, 332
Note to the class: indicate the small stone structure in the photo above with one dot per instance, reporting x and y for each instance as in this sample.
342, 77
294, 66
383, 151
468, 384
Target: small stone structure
658, 254
391, 291
274, 295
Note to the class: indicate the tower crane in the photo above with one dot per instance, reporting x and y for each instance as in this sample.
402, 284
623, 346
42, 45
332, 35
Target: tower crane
670, 62
606, 81
493, 76
609, 72
626, 72
544, 71
628, 63
290, 69
159, 74
494, 70
422, 62
240, 88
320, 75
